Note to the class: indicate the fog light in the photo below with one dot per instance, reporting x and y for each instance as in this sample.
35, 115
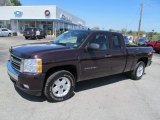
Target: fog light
25, 86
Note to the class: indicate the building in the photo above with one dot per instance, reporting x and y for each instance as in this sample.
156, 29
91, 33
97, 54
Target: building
49, 18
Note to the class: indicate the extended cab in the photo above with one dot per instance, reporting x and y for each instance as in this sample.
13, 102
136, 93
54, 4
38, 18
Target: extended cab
53, 68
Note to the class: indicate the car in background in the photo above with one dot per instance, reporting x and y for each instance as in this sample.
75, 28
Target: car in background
5, 32
141, 42
31, 33
155, 45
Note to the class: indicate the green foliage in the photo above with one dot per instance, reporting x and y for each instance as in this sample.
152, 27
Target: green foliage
132, 44
131, 32
124, 31
15, 3
96, 28
110, 30
156, 37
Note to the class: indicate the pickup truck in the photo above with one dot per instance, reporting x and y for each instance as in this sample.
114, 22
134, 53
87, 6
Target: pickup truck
53, 68
155, 45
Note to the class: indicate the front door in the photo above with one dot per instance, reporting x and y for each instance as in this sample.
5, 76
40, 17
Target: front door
94, 63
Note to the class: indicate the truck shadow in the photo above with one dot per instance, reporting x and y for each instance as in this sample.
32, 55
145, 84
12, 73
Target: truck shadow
99, 82
80, 86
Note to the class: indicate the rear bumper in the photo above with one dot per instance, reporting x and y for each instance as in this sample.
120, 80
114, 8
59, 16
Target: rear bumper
29, 83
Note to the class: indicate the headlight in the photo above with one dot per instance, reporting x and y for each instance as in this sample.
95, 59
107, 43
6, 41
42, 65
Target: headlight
32, 65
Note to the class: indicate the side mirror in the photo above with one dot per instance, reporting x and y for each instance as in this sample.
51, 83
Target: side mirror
93, 46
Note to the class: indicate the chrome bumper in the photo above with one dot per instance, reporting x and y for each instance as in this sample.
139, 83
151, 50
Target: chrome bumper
12, 72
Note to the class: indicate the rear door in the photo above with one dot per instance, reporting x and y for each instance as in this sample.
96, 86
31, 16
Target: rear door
95, 63
118, 52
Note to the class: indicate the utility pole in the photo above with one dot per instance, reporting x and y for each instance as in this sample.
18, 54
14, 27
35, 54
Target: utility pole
140, 20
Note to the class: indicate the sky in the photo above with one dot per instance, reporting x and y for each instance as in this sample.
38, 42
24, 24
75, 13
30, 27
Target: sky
110, 14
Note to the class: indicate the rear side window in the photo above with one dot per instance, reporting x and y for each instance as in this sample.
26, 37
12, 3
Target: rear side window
116, 41
4, 30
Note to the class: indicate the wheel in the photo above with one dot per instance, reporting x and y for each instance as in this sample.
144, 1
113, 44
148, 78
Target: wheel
26, 38
9, 35
138, 72
59, 86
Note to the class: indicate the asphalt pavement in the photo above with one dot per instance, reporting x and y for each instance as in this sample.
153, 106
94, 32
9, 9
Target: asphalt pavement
110, 98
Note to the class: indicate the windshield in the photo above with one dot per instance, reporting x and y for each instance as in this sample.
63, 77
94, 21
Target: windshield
72, 39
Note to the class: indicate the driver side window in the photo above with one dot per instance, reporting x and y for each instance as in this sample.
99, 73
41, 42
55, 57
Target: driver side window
101, 40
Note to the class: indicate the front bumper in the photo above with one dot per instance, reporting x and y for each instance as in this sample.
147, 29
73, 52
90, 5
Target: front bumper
34, 82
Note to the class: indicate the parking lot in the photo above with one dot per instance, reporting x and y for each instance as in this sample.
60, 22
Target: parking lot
110, 98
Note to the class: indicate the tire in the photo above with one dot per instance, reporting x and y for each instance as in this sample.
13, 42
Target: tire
9, 35
138, 71
59, 86
26, 38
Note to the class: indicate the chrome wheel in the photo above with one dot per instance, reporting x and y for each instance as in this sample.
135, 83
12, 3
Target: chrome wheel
140, 71
61, 87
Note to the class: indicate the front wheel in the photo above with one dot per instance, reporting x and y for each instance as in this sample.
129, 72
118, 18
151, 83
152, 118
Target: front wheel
59, 86
9, 35
138, 72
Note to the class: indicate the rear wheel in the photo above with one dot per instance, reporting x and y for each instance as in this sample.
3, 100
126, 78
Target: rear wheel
59, 86
9, 35
26, 38
138, 72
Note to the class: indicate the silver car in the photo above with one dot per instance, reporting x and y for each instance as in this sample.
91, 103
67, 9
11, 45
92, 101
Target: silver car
5, 32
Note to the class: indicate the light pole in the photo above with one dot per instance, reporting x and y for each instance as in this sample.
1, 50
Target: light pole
140, 20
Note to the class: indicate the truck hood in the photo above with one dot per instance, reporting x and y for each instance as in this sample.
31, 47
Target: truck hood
28, 50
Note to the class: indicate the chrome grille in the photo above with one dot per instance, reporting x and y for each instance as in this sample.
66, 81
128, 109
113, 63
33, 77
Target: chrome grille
16, 62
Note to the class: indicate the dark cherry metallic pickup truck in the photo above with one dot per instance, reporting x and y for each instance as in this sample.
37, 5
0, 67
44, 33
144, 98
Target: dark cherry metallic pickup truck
53, 68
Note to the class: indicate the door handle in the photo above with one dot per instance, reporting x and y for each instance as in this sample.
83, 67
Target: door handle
108, 56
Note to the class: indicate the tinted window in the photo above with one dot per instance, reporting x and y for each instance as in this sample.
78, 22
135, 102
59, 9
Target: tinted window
116, 41
101, 40
4, 30
28, 29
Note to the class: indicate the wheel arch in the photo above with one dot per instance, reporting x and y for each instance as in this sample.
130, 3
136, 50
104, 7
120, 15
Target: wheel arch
143, 59
70, 68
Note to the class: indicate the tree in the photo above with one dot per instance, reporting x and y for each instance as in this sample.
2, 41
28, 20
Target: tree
124, 31
10, 3
111, 30
96, 28
15, 3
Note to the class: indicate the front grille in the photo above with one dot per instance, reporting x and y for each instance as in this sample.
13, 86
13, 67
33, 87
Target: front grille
16, 62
